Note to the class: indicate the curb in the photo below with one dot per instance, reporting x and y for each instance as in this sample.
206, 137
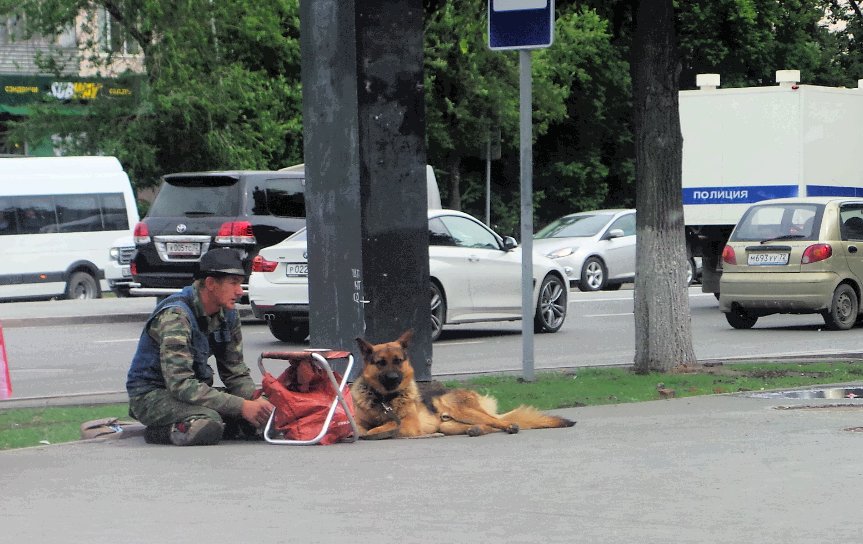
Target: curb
15, 322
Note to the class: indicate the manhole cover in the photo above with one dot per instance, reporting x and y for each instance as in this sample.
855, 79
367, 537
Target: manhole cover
818, 393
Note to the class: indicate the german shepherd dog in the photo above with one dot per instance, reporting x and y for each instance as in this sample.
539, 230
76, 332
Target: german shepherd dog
388, 402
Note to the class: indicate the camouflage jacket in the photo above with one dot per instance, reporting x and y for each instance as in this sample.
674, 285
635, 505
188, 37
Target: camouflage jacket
188, 378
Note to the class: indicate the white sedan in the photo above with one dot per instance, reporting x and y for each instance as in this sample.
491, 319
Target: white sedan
475, 276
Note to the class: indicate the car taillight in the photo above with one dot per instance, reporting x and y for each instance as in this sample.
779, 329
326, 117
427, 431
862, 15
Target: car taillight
142, 234
235, 232
815, 253
728, 255
260, 264
133, 268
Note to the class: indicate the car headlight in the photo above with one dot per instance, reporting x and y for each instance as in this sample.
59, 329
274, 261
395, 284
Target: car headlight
114, 253
562, 252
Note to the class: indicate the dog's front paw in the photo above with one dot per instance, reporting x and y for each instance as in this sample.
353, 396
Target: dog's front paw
513, 428
379, 435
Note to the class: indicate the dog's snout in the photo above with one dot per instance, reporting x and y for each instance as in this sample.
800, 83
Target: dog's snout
391, 379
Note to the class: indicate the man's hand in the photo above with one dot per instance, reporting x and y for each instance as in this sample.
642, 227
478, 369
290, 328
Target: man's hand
257, 411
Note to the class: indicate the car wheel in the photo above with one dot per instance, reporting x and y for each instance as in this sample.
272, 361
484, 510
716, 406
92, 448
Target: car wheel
551, 305
843, 309
438, 311
740, 318
120, 292
82, 285
288, 330
690, 271
593, 275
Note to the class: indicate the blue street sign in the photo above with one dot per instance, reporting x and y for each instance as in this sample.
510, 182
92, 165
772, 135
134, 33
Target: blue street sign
520, 24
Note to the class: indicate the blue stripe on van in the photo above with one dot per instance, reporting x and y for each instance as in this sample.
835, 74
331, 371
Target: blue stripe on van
833, 190
744, 194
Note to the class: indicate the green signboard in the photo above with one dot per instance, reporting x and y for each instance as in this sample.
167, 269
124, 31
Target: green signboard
16, 92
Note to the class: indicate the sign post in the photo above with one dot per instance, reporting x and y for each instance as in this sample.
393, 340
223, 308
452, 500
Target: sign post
523, 25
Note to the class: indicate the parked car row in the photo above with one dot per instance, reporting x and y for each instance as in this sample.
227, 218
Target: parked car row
475, 276
798, 255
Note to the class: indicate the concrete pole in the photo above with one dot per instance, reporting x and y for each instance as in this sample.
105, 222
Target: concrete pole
364, 130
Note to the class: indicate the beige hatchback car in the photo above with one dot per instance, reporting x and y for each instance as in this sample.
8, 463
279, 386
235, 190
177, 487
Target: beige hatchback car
795, 256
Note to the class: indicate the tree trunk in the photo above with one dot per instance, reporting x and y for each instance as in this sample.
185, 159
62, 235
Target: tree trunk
663, 337
454, 167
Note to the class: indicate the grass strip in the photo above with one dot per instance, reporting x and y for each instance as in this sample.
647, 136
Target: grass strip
24, 427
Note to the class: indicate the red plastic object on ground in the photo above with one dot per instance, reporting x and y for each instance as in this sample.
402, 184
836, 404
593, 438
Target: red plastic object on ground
5, 382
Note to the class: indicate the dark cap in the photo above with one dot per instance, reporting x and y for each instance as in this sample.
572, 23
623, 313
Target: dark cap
222, 261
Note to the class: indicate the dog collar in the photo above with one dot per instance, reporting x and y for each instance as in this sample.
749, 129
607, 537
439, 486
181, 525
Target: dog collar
384, 401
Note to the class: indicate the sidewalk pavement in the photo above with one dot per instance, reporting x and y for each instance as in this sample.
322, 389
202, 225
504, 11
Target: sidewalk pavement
711, 469
697, 470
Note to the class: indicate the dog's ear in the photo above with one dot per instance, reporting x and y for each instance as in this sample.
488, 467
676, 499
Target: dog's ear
405, 338
365, 348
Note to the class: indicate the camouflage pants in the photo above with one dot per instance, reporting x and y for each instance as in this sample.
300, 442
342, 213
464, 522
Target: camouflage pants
158, 408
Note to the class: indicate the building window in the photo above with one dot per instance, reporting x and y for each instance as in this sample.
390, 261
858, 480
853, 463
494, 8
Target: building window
113, 38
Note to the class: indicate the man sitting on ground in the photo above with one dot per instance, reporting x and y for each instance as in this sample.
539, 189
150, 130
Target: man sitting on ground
170, 382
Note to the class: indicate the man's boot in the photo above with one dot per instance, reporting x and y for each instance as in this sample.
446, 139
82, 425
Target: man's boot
196, 432
158, 434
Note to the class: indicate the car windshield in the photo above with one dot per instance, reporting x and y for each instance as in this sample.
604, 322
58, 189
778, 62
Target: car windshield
575, 225
197, 196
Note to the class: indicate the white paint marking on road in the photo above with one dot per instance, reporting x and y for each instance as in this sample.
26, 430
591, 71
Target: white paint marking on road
618, 299
600, 300
607, 315
465, 343
41, 370
115, 341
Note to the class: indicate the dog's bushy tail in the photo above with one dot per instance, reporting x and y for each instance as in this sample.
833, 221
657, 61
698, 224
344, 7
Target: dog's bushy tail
529, 417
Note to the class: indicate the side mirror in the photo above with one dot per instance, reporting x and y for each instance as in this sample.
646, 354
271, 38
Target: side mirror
509, 243
614, 233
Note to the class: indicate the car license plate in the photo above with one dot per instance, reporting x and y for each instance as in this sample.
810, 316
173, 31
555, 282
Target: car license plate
183, 249
767, 259
127, 273
297, 269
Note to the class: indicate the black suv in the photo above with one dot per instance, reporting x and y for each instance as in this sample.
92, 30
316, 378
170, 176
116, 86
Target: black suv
195, 212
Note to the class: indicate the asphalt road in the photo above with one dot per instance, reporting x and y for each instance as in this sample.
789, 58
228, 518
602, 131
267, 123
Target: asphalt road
81, 349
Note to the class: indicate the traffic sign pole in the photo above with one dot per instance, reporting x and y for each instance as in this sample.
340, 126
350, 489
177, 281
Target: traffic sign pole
523, 25
525, 107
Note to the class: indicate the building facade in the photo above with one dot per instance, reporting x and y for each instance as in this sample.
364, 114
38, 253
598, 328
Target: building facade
73, 68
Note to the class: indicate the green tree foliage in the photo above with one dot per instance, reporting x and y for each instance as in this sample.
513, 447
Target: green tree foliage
222, 85
746, 41
472, 92
222, 88
586, 160
846, 40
